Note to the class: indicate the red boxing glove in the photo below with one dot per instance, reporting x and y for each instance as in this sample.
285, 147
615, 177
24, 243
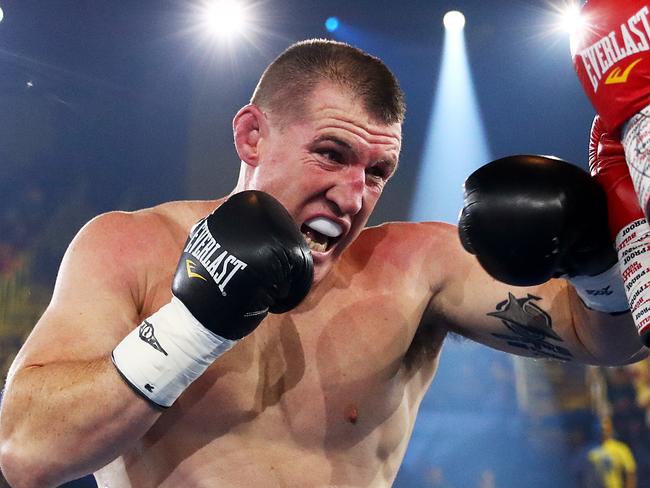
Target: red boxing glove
627, 223
611, 55
607, 165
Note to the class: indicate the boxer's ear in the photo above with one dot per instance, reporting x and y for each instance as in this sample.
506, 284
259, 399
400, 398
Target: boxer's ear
249, 127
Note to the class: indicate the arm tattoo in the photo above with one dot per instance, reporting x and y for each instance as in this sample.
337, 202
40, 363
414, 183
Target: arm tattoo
531, 328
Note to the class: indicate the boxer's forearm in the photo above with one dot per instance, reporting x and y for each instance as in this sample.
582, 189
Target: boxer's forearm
609, 340
61, 421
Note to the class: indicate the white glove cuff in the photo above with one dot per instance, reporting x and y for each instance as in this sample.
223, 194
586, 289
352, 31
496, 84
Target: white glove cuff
604, 292
167, 352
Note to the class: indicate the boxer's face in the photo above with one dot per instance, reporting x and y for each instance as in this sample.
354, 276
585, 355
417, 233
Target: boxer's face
331, 164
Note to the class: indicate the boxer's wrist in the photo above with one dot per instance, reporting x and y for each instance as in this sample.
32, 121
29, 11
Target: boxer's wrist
604, 292
166, 353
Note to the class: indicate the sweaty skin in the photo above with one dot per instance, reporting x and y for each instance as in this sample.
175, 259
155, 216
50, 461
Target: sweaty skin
325, 395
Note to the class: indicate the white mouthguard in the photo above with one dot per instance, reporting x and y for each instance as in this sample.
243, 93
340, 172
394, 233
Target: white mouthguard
325, 226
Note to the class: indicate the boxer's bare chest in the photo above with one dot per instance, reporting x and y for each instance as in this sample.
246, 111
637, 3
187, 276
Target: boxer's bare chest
327, 362
329, 376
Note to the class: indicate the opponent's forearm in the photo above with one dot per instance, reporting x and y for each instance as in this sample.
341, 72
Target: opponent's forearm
61, 421
609, 339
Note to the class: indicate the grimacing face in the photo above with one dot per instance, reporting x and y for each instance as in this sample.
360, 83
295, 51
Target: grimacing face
328, 169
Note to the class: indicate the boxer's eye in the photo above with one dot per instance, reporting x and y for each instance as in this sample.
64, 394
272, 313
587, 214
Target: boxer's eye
377, 172
331, 155
380, 173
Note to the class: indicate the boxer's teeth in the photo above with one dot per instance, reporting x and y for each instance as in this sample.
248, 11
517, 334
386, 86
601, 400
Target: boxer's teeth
315, 246
319, 233
325, 226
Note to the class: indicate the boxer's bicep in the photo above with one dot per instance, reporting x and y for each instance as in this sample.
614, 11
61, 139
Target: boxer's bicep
92, 305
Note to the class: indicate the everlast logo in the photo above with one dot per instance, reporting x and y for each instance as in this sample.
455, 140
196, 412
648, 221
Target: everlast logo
221, 265
629, 39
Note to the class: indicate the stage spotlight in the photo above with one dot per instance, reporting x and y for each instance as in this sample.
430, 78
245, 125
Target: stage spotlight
454, 20
2, 14
456, 143
331, 24
223, 18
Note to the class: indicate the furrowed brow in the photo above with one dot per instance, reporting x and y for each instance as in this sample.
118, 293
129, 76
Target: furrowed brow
391, 163
335, 140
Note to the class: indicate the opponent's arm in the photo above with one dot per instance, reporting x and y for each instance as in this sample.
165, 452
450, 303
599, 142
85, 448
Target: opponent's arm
67, 410
528, 220
628, 226
611, 55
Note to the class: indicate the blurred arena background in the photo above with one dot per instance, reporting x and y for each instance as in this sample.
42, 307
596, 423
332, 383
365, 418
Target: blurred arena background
120, 105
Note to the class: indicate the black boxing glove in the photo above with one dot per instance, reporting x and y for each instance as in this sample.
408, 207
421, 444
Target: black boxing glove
530, 218
246, 259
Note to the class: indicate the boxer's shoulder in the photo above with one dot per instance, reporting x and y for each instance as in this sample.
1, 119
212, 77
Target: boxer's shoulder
126, 232
415, 254
408, 242
128, 248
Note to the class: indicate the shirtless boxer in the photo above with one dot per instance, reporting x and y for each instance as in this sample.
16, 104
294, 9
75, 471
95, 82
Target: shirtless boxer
120, 379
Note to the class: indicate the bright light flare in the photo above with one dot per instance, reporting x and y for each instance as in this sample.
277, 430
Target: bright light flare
564, 17
218, 30
2, 14
224, 18
570, 19
557, 21
454, 21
